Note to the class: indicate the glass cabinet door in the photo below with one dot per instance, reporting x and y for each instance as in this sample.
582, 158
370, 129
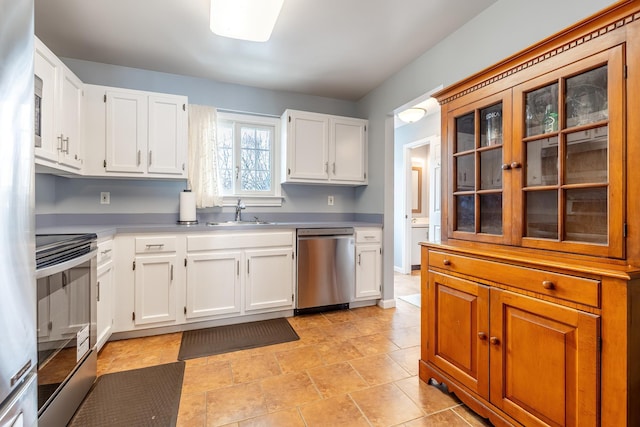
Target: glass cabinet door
571, 138
478, 207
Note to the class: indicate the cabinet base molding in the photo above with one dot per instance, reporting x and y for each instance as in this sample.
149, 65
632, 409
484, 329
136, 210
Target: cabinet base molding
480, 407
161, 330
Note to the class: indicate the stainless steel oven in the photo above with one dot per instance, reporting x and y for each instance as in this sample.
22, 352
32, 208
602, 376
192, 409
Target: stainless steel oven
66, 323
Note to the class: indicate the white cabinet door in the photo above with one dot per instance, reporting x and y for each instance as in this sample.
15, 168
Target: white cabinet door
48, 68
71, 105
324, 149
61, 112
154, 289
307, 146
269, 279
213, 283
347, 150
126, 132
104, 299
368, 271
167, 135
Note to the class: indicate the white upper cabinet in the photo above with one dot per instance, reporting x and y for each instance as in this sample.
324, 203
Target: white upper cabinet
136, 134
61, 113
348, 150
126, 132
323, 149
167, 135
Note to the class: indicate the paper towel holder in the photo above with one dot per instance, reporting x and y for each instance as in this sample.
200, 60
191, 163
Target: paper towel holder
194, 222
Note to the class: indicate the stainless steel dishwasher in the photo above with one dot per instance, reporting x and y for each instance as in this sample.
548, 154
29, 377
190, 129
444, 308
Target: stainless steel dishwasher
326, 268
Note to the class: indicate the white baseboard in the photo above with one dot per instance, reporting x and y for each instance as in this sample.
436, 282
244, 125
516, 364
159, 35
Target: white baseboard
387, 303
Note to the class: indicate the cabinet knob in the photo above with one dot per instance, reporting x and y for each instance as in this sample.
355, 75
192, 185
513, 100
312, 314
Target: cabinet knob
506, 166
516, 165
494, 340
547, 284
446, 262
482, 336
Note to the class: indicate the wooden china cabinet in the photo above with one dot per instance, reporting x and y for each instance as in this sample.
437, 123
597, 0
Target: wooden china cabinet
531, 302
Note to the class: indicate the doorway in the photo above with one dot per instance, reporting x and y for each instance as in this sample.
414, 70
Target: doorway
417, 188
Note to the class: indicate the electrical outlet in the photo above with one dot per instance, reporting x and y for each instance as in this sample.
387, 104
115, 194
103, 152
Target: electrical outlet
105, 198
330, 200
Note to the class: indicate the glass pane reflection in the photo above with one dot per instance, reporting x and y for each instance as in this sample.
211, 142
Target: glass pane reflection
586, 215
542, 110
542, 162
587, 157
491, 169
491, 213
465, 209
491, 126
465, 131
542, 214
586, 97
466, 179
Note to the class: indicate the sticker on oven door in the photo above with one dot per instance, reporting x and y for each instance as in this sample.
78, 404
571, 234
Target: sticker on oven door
82, 342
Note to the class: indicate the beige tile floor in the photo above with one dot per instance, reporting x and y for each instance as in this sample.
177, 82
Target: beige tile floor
354, 367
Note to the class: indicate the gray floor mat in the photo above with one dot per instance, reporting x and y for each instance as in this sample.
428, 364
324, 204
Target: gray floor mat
224, 339
140, 397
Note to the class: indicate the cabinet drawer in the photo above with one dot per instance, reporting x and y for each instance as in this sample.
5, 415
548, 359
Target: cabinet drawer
155, 244
105, 252
232, 240
570, 288
368, 235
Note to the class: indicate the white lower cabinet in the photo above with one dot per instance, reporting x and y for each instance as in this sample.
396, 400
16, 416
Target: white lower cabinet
368, 263
269, 279
239, 272
213, 284
155, 295
104, 292
169, 280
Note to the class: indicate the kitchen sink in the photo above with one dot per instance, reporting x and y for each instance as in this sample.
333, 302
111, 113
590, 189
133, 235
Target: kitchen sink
256, 222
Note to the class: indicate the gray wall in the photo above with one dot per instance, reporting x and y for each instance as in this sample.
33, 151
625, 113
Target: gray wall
81, 195
503, 29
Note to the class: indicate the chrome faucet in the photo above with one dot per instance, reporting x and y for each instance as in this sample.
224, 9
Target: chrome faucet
239, 207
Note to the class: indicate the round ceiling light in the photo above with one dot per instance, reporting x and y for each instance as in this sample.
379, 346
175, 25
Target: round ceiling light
412, 115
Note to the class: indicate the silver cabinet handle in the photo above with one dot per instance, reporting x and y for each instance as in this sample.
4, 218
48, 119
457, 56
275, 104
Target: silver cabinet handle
106, 251
98, 286
60, 143
155, 245
238, 268
334, 168
247, 266
138, 158
172, 272
326, 166
66, 140
150, 154
359, 259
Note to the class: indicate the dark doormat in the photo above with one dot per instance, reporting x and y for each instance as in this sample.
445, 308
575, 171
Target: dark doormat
140, 397
224, 339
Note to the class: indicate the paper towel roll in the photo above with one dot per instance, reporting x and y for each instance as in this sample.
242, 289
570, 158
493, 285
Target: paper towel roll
187, 206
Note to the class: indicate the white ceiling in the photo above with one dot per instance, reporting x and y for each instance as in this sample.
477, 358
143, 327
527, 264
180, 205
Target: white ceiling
335, 48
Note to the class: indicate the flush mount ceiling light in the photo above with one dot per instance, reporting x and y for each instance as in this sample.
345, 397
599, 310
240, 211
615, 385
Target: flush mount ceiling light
411, 115
251, 20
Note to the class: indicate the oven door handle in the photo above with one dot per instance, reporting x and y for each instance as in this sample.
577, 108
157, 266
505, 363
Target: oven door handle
57, 268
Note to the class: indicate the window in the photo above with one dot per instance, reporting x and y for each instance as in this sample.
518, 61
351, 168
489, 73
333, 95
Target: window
247, 155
